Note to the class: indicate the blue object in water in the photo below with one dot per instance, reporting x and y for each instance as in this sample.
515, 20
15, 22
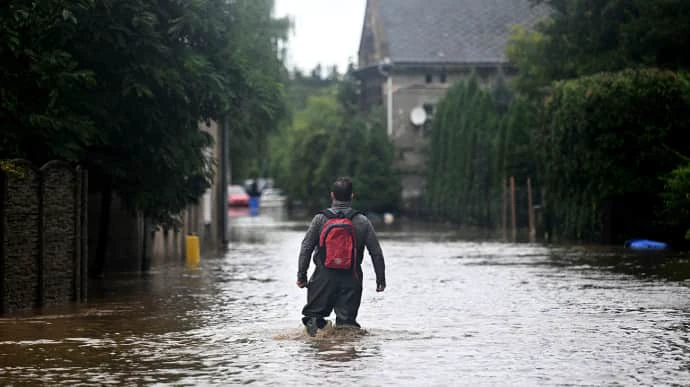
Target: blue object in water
645, 244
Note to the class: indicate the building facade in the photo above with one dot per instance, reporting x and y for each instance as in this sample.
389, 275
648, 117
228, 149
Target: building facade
411, 52
208, 218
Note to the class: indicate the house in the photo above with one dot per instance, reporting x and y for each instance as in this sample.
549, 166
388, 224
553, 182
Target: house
412, 51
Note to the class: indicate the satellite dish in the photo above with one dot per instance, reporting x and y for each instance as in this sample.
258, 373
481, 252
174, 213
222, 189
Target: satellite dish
418, 116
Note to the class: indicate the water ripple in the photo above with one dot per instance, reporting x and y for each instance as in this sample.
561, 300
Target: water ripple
455, 313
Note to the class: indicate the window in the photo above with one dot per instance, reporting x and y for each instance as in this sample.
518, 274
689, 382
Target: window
429, 78
429, 109
443, 78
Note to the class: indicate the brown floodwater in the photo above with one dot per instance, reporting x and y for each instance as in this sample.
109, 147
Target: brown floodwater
457, 311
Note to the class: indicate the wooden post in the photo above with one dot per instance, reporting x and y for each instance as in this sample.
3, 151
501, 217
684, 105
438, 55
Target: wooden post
512, 208
530, 211
504, 215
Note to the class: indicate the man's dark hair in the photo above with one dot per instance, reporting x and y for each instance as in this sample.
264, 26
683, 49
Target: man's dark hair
342, 189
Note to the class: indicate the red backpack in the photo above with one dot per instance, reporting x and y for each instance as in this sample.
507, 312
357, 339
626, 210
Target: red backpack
338, 242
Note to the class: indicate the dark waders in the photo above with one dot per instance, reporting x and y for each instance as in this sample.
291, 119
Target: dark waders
337, 290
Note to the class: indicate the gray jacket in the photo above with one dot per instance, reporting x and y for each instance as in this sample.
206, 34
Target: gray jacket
365, 235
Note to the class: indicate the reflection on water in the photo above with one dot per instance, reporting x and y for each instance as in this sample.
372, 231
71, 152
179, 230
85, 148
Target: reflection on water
673, 266
253, 229
456, 312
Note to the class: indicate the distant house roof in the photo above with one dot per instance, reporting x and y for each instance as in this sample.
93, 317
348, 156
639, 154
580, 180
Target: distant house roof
452, 31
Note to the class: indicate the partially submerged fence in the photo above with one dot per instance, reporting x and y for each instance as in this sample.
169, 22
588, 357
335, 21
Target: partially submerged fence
43, 260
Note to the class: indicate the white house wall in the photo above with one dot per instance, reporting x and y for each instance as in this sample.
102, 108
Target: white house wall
410, 90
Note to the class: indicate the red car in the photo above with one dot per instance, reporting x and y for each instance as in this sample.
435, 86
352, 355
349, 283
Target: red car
237, 197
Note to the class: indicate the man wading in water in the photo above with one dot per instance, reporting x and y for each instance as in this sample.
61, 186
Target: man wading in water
339, 235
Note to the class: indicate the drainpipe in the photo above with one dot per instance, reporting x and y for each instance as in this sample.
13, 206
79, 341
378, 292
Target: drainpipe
385, 70
225, 179
390, 105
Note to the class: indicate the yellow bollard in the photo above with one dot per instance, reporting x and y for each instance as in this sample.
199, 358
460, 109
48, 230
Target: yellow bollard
193, 254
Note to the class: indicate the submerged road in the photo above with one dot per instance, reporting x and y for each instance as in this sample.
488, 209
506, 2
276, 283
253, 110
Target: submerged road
455, 312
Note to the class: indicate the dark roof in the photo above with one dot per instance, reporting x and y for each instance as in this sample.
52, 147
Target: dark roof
452, 31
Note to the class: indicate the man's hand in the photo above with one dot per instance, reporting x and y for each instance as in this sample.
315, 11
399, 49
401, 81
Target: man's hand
380, 288
301, 284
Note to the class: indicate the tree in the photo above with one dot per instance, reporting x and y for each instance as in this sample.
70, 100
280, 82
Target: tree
330, 137
575, 69
333, 74
461, 179
377, 183
317, 72
37, 77
676, 197
261, 104
612, 136
122, 86
584, 37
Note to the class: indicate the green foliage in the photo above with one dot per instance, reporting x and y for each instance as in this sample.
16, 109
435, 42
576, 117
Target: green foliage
478, 137
377, 184
260, 105
676, 196
527, 51
38, 77
301, 87
584, 37
610, 135
305, 143
13, 169
606, 123
122, 86
331, 138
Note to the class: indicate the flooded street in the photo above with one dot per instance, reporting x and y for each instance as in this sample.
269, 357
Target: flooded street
455, 313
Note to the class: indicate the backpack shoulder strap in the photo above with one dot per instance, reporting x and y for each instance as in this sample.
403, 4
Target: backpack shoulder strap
329, 213
351, 215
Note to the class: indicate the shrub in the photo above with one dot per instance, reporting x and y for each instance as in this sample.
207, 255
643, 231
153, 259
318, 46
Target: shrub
610, 135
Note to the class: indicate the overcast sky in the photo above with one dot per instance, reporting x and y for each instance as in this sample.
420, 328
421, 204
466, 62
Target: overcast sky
325, 31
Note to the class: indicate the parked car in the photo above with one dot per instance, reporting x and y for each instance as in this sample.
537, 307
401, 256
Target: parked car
237, 197
272, 197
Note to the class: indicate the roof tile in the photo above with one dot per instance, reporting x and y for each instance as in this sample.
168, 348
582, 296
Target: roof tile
453, 31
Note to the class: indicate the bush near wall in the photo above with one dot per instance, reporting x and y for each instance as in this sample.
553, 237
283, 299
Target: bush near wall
611, 136
479, 137
463, 141
676, 197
